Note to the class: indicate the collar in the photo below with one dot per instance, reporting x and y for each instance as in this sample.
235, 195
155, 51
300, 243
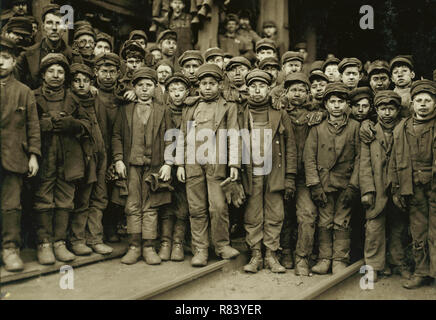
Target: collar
5, 82
48, 46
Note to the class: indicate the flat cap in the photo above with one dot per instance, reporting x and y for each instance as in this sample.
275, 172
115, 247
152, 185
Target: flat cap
317, 74
335, 87
378, 65
269, 23
21, 25
330, 60
154, 47
138, 33
228, 55
235, 61
167, 34
144, 73
269, 61
131, 46
258, 75
386, 96
8, 44
81, 23
292, 55
178, 77
81, 68
209, 69
266, 43
296, 77
54, 58
213, 52
101, 36
84, 30
349, 62
190, 55
301, 45
232, 17
50, 8
360, 93
108, 58
316, 65
402, 59
423, 86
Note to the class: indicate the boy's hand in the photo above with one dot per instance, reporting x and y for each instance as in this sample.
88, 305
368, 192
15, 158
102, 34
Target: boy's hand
289, 187
348, 196
368, 200
400, 202
165, 172
130, 95
318, 195
33, 166
234, 174
367, 131
121, 170
93, 90
181, 174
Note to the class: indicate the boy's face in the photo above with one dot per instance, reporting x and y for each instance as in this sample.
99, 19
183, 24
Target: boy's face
292, 66
20, 9
178, 92
231, 26
218, 60
14, 36
133, 63
332, 72
107, 75
209, 87
237, 74
317, 88
102, 47
265, 53
34, 28
52, 27
86, 44
54, 76
379, 81
168, 47
402, 76
144, 89
258, 91
244, 23
163, 73
336, 106
157, 54
81, 84
273, 71
7, 63
269, 31
360, 109
297, 93
177, 6
387, 112
424, 104
351, 77
190, 67
304, 53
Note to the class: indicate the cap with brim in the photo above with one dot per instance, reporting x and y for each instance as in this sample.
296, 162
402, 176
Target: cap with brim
20, 25
301, 45
104, 37
138, 33
213, 52
8, 44
360, 93
316, 65
335, 87
54, 58
228, 55
82, 23
292, 55
296, 77
167, 34
402, 59
190, 55
209, 69
51, 8
387, 97
331, 60
107, 59
154, 47
318, 74
164, 62
349, 62
423, 86
132, 46
144, 73
232, 17
378, 66
178, 77
269, 23
266, 44
81, 68
235, 61
84, 30
269, 61
258, 75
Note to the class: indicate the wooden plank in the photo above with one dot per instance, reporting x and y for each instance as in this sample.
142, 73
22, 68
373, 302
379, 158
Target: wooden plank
114, 8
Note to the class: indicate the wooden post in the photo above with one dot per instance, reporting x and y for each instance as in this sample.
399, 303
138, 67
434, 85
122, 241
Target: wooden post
276, 10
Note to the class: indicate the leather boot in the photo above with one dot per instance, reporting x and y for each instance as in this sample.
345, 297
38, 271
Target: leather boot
338, 266
61, 220
132, 256
45, 253
102, 248
149, 254
153, 28
227, 252
301, 266
200, 258
342, 245
165, 250
415, 282
322, 266
256, 262
286, 259
11, 259
271, 262
62, 253
325, 240
44, 226
166, 238
81, 249
177, 252
403, 271
203, 10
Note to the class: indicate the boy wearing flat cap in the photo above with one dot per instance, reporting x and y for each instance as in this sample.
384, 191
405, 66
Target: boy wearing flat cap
361, 99
167, 42
20, 147
270, 177
164, 70
84, 42
103, 44
330, 68
19, 29
63, 126
272, 66
331, 162
209, 113
412, 172
265, 48
138, 148
189, 62
402, 75
379, 75
318, 83
237, 68
385, 223
230, 42
215, 55
351, 72
269, 30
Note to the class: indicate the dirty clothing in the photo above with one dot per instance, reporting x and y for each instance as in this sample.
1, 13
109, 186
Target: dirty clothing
182, 26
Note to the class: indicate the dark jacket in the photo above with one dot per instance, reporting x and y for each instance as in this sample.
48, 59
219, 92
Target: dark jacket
20, 133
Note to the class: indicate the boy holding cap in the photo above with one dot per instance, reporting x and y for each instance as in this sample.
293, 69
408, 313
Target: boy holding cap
331, 162
20, 148
383, 219
266, 182
209, 113
351, 72
138, 148
402, 75
412, 172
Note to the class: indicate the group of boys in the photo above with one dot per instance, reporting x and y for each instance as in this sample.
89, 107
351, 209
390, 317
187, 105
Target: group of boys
96, 131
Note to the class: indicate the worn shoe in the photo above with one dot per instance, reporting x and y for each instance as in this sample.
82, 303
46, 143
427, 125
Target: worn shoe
195, 20
415, 282
45, 253
132, 256
11, 259
62, 253
177, 253
256, 262
338, 266
203, 11
271, 262
153, 28
403, 271
287, 261
113, 238
81, 249
102, 248
301, 266
165, 251
200, 258
322, 266
386, 272
227, 252
150, 256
